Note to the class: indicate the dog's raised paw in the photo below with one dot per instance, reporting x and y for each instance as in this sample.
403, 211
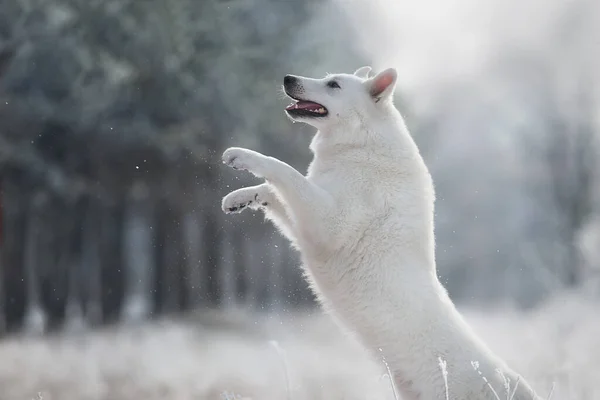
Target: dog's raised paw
232, 207
240, 159
239, 200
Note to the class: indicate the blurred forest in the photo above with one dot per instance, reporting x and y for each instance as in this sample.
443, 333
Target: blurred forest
114, 114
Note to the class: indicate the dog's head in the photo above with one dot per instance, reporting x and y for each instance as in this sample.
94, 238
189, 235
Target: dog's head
339, 98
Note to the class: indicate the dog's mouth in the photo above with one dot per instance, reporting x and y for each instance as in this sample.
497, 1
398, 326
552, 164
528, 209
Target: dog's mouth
306, 108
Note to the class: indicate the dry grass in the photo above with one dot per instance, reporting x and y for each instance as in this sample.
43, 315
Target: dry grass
208, 356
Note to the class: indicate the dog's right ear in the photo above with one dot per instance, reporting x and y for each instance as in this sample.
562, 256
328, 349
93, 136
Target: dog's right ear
363, 72
382, 85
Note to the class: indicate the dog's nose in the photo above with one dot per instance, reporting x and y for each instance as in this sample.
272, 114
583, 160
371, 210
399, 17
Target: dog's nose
289, 80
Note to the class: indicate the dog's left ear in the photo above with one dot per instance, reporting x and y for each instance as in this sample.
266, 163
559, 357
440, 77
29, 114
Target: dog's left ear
363, 72
382, 85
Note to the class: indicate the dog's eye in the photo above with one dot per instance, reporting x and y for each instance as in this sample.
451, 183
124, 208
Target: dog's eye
333, 85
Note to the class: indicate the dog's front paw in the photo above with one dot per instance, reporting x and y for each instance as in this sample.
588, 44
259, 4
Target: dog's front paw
248, 160
250, 197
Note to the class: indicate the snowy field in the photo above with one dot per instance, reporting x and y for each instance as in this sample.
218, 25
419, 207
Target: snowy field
231, 356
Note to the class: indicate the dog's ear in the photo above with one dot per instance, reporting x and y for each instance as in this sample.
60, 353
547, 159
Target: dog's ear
382, 85
363, 72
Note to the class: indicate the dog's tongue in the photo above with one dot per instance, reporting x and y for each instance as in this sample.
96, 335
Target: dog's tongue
304, 105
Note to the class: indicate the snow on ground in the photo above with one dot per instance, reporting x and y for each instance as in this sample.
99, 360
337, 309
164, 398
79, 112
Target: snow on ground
229, 356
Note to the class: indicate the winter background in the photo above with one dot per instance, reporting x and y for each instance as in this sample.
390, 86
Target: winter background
121, 278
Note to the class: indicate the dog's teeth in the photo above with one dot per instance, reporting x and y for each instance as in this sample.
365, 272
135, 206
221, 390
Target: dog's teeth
321, 110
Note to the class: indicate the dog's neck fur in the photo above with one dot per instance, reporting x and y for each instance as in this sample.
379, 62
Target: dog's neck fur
385, 135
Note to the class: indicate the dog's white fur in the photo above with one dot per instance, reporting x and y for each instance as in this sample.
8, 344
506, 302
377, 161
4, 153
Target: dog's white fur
362, 219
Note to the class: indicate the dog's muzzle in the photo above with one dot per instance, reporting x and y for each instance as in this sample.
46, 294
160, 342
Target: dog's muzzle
292, 85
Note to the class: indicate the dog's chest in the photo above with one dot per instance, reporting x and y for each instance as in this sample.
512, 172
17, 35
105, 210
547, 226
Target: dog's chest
345, 182
327, 176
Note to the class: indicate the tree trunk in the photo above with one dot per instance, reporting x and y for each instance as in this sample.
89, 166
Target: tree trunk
193, 233
113, 268
2, 292
254, 266
35, 316
212, 237
90, 263
2, 296
138, 257
266, 274
15, 201
280, 263
239, 265
74, 314
227, 269
171, 262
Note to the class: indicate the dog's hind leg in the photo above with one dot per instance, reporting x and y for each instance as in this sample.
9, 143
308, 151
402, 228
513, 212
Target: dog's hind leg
261, 197
305, 202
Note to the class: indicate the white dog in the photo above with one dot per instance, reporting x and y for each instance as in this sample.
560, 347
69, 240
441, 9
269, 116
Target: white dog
362, 219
